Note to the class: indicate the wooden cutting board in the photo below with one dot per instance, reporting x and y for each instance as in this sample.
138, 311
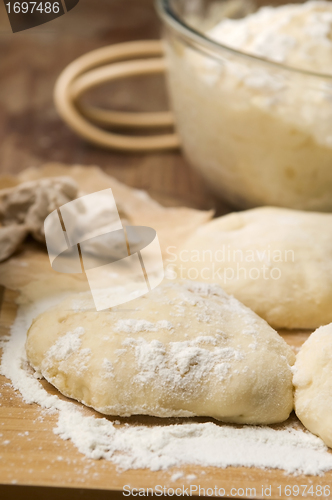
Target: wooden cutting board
31, 454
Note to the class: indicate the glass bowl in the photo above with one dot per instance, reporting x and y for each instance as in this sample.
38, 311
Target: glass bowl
260, 133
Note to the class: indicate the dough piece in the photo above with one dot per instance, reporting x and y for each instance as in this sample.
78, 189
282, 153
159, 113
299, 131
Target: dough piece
23, 209
11, 238
313, 383
184, 349
276, 261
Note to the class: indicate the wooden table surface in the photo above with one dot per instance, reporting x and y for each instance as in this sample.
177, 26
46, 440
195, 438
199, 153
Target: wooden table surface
31, 134
31, 454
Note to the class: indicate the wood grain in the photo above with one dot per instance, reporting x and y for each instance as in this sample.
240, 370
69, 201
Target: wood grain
31, 454
31, 132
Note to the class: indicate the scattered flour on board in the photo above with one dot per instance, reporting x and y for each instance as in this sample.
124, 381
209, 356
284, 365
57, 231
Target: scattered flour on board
161, 446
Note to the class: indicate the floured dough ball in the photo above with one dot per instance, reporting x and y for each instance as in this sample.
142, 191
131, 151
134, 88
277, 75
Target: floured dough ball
184, 349
313, 383
276, 261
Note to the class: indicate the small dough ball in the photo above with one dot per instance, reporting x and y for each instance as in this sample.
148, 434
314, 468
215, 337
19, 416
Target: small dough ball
313, 383
276, 261
184, 349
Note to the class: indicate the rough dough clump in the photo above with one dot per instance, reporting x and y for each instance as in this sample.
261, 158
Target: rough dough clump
313, 383
276, 261
23, 209
184, 349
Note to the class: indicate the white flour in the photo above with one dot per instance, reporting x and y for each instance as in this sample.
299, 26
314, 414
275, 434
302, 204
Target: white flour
297, 35
183, 358
140, 325
66, 345
161, 446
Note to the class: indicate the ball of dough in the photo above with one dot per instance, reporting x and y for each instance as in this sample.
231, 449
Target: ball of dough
313, 383
184, 349
276, 261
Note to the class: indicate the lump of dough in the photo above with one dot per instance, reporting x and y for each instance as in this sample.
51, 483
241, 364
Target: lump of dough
23, 209
276, 261
183, 349
313, 383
